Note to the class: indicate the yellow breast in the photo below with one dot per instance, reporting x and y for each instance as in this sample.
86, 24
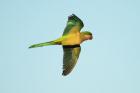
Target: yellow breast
72, 39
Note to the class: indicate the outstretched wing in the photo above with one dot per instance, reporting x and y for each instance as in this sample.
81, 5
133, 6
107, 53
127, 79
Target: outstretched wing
71, 55
74, 24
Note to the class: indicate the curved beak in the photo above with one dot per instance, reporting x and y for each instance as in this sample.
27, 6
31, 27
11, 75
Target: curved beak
90, 37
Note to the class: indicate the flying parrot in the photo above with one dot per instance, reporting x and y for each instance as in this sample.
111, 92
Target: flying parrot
70, 41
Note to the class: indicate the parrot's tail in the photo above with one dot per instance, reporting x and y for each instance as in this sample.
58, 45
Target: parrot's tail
44, 44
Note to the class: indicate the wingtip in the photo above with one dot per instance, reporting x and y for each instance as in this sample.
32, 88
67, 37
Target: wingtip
64, 74
71, 16
76, 18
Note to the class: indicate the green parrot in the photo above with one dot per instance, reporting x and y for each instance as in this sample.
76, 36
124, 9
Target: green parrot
70, 41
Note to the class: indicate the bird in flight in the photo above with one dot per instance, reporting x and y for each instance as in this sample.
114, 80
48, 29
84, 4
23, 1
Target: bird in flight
70, 41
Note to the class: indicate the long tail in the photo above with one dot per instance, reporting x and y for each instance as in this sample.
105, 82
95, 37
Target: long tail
44, 44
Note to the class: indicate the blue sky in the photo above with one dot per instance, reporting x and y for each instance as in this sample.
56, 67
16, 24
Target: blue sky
108, 64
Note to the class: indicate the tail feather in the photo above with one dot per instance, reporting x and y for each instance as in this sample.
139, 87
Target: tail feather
43, 44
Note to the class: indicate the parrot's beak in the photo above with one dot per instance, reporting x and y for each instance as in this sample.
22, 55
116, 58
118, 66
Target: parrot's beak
90, 37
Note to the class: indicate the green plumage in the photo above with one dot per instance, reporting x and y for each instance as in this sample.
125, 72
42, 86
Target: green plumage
71, 55
43, 44
70, 40
73, 21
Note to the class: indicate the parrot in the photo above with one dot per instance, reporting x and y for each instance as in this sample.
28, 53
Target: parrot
70, 42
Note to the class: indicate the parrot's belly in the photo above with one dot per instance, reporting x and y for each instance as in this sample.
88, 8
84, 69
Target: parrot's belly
72, 40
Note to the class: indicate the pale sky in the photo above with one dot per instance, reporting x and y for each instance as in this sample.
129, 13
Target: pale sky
110, 63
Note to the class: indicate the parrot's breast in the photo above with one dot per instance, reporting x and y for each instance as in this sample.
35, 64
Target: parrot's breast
72, 39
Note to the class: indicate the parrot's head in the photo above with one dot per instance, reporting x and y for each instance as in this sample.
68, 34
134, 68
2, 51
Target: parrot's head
87, 35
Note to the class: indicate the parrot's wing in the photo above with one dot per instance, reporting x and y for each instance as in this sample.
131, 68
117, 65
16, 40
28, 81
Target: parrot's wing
71, 54
74, 24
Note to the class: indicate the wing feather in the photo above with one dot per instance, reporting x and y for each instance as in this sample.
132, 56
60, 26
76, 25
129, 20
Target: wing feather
71, 55
73, 22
